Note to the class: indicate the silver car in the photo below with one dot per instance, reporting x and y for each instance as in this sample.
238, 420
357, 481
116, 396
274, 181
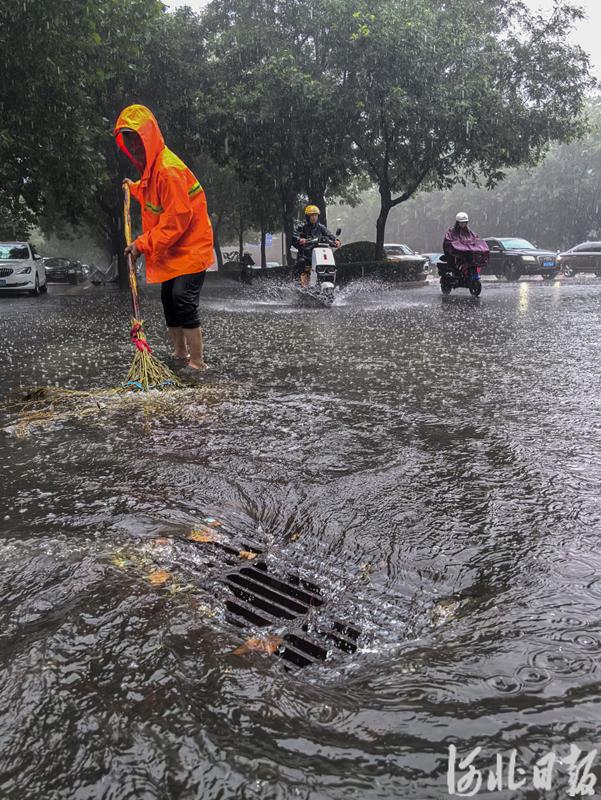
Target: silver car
403, 253
585, 257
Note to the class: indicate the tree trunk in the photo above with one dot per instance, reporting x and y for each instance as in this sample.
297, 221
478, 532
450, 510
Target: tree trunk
263, 253
317, 197
288, 204
385, 206
241, 239
118, 245
112, 207
217, 247
216, 244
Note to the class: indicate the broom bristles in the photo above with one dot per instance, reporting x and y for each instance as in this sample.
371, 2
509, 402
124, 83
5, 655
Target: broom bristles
146, 371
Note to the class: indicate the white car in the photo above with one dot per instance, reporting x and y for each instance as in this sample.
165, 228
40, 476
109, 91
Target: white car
21, 268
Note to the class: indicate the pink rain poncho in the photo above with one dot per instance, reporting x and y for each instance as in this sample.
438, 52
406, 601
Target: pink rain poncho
463, 240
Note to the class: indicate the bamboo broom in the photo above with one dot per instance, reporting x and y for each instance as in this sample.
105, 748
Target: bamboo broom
146, 371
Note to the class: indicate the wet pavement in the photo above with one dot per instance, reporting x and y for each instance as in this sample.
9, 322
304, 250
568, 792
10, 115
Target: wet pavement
431, 464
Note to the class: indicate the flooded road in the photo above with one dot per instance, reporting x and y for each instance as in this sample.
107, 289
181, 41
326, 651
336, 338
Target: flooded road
431, 464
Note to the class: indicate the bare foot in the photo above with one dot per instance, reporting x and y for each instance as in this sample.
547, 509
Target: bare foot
196, 365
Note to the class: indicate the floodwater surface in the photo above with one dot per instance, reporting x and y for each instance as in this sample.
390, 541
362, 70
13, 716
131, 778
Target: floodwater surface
431, 464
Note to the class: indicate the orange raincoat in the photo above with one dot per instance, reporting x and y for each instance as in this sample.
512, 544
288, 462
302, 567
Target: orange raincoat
177, 236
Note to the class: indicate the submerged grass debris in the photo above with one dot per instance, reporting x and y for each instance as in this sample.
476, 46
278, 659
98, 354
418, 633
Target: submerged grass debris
38, 408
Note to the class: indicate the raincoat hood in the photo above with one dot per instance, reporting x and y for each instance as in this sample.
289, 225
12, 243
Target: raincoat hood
141, 120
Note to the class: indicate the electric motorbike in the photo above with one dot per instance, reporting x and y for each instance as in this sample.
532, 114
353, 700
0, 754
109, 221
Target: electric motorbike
460, 269
319, 288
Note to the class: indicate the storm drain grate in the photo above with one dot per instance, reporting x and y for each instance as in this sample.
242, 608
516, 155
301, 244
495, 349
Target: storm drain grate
260, 599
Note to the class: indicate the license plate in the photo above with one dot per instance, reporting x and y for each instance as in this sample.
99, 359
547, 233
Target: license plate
548, 263
2, 282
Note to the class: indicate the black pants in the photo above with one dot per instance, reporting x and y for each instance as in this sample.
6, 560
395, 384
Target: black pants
180, 297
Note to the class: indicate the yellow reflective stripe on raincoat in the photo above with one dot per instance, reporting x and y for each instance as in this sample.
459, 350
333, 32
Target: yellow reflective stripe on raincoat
195, 189
154, 209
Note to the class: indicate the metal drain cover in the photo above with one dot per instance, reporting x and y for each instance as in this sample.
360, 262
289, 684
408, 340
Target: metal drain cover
260, 598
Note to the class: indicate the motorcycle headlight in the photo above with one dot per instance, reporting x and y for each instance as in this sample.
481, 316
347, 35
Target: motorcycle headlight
528, 258
24, 271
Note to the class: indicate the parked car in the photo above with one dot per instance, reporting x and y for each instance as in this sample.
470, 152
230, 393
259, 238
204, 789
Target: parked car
21, 268
64, 270
512, 257
402, 252
585, 257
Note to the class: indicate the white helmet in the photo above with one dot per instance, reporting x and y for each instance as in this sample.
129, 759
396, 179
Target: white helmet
462, 217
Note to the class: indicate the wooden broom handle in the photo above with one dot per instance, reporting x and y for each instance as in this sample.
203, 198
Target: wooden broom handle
131, 266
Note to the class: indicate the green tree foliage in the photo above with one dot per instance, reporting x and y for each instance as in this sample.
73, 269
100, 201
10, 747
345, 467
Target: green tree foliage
272, 102
446, 91
555, 204
63, 67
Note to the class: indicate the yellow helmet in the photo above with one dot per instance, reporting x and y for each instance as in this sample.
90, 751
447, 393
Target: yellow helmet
311, 210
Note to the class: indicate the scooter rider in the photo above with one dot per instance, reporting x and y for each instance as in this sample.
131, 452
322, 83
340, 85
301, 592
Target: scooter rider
459, 232
312, 229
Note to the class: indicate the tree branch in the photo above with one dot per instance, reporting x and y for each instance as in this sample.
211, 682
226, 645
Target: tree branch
411, 191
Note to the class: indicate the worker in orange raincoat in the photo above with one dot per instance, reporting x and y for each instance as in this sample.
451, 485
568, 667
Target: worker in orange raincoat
177, 237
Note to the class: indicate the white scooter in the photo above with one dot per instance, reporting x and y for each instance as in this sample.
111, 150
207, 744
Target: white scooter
322, 278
